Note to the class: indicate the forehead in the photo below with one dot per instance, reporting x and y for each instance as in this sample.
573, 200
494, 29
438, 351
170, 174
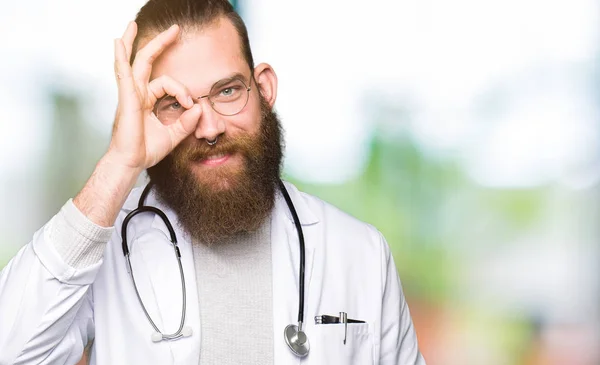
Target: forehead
202, 57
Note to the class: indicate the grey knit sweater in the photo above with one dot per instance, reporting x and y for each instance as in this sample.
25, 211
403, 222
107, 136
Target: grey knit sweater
235, 294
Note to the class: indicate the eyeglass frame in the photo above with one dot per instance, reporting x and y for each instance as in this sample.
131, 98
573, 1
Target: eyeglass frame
237, 76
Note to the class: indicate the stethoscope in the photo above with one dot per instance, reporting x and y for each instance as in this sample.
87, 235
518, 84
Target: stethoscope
293, 334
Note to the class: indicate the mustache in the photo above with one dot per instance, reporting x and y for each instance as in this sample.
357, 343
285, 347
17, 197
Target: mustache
225, 145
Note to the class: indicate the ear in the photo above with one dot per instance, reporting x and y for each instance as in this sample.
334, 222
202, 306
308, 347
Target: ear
266, 79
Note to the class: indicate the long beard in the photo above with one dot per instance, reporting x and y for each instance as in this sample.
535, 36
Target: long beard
226, 202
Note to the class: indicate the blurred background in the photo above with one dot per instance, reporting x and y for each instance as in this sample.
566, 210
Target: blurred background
467, 131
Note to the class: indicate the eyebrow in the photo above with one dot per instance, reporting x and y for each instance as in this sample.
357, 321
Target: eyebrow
234, 76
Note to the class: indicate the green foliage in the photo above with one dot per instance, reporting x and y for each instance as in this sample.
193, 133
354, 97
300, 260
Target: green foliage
426, 207
399, 193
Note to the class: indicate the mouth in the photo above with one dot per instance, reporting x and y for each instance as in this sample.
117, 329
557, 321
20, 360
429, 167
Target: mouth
215, 160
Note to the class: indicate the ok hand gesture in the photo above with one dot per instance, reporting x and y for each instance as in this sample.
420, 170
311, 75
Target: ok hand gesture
139, 139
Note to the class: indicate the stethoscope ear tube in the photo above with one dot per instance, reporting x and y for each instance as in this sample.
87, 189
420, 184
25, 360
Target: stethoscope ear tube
132, 214
182, 331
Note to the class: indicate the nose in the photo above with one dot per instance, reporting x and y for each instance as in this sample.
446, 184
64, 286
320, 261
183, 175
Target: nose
211, 124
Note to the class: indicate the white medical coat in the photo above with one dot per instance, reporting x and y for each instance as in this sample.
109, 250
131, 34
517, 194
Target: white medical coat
50, 311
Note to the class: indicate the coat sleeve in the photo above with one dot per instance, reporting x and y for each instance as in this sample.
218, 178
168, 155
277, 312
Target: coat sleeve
398, 338
46, 305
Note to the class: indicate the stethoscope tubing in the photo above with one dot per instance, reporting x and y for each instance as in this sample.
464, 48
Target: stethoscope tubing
177, 333
142, 209
288, 200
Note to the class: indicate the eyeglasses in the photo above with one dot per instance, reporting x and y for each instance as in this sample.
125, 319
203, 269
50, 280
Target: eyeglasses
227, 97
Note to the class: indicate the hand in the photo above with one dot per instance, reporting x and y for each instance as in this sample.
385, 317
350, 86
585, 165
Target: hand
139, 139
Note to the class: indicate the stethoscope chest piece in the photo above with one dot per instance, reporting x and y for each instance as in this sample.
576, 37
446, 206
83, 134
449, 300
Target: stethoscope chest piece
296, 340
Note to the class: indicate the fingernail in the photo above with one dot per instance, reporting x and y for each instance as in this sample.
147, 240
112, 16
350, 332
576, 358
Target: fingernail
190, 101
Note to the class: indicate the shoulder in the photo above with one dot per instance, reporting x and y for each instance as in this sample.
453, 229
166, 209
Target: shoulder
339, 227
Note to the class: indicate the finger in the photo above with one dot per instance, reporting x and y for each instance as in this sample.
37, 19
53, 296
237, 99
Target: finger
142, 65
129, 37
166, 85
123, 74
185, 125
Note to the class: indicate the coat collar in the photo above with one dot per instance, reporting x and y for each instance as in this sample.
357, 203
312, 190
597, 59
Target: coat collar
304, 210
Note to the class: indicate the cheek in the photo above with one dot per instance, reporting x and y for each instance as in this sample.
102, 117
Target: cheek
248, 120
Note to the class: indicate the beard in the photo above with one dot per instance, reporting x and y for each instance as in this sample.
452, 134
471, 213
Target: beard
224, 201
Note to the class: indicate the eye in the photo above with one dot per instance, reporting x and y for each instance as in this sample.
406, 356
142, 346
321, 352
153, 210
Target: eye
168, 104
174, 105
228, 91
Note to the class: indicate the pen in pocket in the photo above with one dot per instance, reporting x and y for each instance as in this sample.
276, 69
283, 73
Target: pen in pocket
343, 318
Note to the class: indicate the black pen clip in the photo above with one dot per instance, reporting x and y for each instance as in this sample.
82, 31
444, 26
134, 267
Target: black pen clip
343, 318
327, 319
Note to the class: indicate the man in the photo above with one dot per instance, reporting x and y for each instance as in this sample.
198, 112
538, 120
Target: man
250, 252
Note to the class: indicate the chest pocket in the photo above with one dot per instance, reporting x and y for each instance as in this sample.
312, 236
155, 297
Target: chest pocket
327, 344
